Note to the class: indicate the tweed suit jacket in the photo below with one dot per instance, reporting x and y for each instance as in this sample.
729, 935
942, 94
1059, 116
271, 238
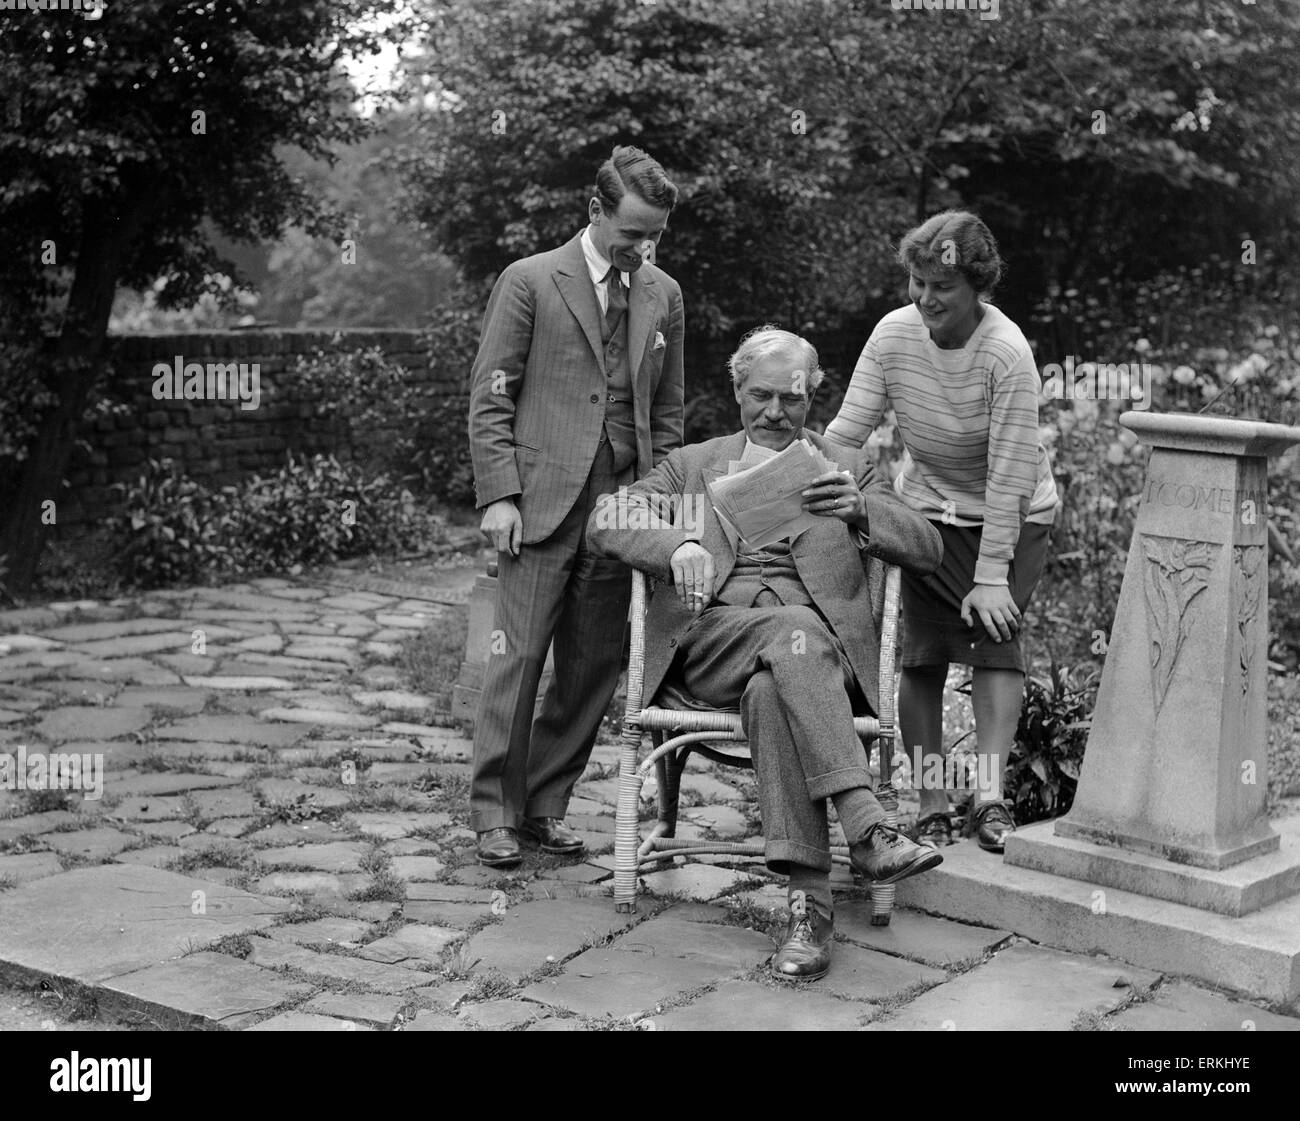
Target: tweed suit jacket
846, 582
538, 393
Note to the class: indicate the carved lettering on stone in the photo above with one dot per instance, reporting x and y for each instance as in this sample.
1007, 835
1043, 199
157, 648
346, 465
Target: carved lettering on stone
1177, 571
1249, 561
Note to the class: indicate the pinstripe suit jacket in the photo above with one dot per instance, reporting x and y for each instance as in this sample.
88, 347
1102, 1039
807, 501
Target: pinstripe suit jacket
538, 394
845, 581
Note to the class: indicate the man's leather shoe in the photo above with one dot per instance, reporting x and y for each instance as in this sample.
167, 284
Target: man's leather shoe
885, 856
990, 822
551, 835
499, 848
805, 954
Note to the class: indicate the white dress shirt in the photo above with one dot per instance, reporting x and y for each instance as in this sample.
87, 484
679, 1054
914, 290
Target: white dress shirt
598, 266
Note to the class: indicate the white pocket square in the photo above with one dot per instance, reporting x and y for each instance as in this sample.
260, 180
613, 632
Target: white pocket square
659, 341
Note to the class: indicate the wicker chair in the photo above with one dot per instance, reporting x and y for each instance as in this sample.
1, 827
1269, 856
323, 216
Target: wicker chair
717, 735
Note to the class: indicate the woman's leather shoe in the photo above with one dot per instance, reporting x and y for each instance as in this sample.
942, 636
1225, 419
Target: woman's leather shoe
805, 954
991, 822
551, 835
499, 848
934, 830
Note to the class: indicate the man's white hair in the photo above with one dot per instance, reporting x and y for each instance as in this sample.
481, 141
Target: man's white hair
767, 342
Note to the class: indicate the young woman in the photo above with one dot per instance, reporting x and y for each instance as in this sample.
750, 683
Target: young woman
963, 385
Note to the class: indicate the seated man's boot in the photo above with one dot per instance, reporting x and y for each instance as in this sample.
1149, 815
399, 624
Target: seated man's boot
990, 823
550, 834
805, 954
499, 848
885, 856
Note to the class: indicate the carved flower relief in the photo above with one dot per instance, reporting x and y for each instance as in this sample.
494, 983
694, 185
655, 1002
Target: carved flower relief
1177, 571
1249, 562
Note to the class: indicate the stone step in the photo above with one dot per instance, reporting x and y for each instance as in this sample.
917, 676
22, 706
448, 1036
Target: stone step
1257, 954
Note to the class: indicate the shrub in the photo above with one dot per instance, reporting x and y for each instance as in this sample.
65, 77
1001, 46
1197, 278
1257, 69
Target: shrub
439, 452
371, 399
173, 530
1283, 739
313, 511
1217, 338
396, 424
84, 568
1043, 771
317, 511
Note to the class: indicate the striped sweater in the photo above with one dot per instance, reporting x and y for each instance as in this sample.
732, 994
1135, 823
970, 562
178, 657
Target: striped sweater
969, 421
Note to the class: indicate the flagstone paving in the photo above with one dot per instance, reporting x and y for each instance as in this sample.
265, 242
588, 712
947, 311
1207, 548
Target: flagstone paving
282, 844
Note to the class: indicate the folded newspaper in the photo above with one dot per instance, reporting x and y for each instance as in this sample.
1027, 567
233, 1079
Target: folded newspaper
763, 502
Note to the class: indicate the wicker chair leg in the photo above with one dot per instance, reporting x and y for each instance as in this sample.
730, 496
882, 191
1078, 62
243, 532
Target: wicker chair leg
669, 769
882, 895
626, 835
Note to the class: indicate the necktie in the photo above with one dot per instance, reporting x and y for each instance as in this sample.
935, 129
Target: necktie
616, 307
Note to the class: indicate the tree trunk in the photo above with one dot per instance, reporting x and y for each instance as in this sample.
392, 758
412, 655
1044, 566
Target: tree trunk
75, 364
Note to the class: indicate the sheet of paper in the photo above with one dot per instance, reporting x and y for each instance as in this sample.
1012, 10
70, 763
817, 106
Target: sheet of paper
764, 503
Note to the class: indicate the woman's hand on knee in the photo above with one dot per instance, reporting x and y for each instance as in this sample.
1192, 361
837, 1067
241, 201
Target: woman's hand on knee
995, 608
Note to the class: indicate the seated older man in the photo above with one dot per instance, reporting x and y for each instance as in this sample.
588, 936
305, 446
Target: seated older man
786, 632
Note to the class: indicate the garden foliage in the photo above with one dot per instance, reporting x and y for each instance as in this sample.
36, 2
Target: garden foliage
173, 530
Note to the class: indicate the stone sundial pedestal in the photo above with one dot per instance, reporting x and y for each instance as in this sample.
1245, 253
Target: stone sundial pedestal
1171, 797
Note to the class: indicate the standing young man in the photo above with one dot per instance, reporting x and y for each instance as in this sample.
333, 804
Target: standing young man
577, 390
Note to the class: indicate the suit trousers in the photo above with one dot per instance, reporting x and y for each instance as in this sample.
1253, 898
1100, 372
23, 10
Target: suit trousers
556, 590
784, 668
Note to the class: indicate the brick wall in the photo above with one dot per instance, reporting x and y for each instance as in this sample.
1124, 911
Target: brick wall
217, 442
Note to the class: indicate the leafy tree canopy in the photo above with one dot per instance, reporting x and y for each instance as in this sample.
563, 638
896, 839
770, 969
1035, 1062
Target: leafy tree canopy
808, 135
119, 138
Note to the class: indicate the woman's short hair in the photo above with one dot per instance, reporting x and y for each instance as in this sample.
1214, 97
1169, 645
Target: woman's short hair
954, 241
630, 169
768, 341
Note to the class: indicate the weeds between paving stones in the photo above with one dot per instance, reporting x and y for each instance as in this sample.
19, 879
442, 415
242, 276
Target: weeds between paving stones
879, 1009
257, 755
45, 801
316, 983
491, 985
223, 854
84, 821
749, 915
191, 813
295, 811
1277, 1007
22, 844
431, 833
354, 755
434, 785
384, 887
548, 862
153, 764
457, 966
669, 1004
73, 1000
386, 798
1094, 1021
482, 923
549, 968
234, 945
382, 929
375, 861
305, 909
